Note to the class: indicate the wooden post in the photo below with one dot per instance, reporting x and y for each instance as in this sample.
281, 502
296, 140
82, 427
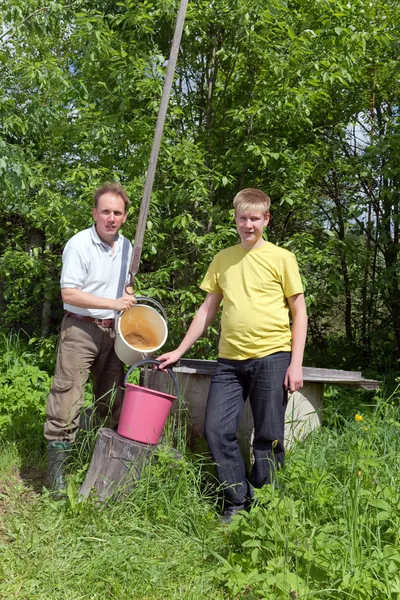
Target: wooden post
169, 77
116, 465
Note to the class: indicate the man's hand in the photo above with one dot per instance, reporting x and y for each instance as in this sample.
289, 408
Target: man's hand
293, 378
124, 303
169, 358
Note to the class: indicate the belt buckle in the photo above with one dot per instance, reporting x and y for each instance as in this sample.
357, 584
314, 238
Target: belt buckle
104, 322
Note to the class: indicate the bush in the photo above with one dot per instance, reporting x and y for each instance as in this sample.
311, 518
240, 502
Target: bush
24, 389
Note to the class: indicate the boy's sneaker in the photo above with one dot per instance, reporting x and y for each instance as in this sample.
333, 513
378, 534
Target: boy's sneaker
230, 512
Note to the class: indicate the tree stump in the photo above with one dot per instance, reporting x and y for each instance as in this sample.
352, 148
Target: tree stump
116, 465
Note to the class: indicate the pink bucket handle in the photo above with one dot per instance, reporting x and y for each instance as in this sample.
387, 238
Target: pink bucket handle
147, 361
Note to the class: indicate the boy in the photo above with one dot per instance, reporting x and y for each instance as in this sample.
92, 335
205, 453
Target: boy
258, 357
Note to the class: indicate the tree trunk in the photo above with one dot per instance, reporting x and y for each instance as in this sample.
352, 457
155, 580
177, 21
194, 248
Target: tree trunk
343, 258
116, 465
46, 313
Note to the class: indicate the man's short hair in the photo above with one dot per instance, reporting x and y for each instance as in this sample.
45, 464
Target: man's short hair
252, 199
112, 188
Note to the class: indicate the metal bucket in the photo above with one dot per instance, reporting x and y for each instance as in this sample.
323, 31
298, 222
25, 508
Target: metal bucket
140, 331
144, 411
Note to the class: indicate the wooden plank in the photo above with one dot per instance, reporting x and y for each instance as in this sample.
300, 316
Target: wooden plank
193, 365
314, 372
310, 374
368, 384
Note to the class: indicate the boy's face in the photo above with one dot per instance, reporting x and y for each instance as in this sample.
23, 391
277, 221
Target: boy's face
250, 225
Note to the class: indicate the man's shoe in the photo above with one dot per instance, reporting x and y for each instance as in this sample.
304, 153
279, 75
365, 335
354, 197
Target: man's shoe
57, 457
230, 512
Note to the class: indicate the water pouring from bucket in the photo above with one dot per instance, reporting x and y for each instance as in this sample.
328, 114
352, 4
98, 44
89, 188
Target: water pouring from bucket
140, 331
145, 411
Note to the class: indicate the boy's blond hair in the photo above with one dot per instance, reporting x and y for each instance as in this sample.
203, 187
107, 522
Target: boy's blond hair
252, 199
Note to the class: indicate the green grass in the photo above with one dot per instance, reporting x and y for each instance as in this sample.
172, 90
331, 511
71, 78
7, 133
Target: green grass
329, 528
155, 544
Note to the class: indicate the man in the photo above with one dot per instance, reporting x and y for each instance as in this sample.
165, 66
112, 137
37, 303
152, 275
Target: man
258, 356
93, 279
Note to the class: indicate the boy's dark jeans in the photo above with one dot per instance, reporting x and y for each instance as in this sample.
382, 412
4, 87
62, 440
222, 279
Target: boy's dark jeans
260, 380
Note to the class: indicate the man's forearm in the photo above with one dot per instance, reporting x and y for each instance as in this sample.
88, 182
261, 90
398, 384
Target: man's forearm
82, 299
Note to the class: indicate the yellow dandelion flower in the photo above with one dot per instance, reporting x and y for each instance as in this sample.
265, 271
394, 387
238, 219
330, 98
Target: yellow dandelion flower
358, 417
359, 472
365, 428
274, 443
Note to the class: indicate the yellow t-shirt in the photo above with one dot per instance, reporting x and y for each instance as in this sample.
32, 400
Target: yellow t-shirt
255, 313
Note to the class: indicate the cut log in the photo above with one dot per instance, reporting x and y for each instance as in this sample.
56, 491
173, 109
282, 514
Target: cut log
116, 465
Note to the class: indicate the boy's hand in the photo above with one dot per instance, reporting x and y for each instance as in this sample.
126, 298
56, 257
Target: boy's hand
169, 358
293, 378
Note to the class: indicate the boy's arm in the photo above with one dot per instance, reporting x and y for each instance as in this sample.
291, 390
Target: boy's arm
202, 319
294, 374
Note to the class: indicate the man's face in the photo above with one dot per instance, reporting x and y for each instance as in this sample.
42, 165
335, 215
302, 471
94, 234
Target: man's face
250, 225
109, 216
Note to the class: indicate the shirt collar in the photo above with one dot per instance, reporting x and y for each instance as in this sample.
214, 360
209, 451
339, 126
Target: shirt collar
97, 240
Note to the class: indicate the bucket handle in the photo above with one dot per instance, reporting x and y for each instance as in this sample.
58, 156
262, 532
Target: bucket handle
147, 361
155, 302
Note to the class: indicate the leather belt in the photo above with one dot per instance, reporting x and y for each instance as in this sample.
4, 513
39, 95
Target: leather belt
104, 322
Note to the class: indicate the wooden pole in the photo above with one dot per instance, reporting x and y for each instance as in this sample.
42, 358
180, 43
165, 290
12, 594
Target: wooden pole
144, 208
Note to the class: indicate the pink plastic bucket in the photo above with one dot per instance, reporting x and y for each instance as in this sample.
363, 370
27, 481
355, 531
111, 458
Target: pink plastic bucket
144, 411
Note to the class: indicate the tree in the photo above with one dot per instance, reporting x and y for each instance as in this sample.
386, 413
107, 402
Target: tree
299, 99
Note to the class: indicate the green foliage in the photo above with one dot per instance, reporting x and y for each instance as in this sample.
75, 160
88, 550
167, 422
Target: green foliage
44, 352
155, 542
23, 392
298, 99
330, 527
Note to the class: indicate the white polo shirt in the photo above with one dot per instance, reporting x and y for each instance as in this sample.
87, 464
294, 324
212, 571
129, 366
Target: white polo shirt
92, 266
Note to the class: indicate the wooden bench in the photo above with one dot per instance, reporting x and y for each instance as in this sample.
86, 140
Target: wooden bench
304, 410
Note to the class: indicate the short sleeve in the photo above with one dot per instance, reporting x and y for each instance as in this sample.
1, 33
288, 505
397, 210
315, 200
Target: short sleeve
74, 270
210, 282
291, 280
